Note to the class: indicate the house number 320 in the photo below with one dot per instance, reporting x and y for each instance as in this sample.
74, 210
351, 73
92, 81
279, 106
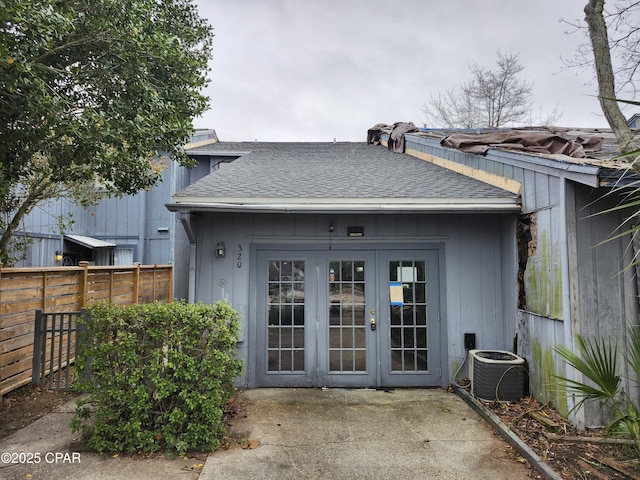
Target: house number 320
239, 256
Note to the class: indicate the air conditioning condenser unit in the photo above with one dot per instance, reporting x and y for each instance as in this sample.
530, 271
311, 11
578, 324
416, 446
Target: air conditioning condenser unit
496, 375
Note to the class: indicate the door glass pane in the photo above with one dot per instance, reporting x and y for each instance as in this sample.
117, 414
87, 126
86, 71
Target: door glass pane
286, 322
360, 360
347, 316
347, 271
360, 339
358, 314
408, 328
396, 315
286, 339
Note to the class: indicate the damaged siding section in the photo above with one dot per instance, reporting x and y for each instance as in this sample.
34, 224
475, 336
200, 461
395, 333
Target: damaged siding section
540, 264
540, 303
540, 285
526, 248
543, 273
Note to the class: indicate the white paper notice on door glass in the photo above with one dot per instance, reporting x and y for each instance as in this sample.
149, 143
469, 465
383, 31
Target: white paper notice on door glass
395, 293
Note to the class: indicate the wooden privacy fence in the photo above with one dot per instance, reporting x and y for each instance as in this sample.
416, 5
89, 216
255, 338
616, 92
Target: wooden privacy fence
64, 289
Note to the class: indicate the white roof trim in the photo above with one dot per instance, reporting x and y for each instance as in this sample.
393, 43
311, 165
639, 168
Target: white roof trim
217, 153
89, 242
184, 204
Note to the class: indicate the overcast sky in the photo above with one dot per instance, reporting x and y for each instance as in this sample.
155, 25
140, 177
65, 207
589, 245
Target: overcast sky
299, 70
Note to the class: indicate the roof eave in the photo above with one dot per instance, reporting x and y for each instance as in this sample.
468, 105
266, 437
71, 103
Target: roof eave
216, 153
88, 242
489, 205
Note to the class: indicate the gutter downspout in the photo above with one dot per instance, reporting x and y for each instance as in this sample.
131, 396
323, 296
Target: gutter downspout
186, 224
142, 229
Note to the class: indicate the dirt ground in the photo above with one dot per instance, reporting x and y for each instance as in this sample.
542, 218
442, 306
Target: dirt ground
26, 404
571, 453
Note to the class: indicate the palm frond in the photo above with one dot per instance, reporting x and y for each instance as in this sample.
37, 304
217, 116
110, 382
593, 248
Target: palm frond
629, 231
626, 422
596, 361
622, 206
630, 102
633, 349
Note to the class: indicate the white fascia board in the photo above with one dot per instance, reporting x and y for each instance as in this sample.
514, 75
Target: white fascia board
347, 205
216, 153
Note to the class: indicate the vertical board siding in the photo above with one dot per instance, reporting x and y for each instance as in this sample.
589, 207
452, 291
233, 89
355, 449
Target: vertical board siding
541, 191
555, 186
130, 221
603, 286
475, 278
604, 296
537, 337
602, 299
64, 289
529, 199
540, 194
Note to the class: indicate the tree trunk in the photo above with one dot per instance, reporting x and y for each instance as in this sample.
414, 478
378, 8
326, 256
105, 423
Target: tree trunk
7, 235
606, 80
37, 191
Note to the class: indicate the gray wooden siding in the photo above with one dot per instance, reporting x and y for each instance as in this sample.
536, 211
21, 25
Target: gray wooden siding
601, 278
606, 292
136, 221
542, 197
540, 175
479, 263
537, 336
112, 217
569, 276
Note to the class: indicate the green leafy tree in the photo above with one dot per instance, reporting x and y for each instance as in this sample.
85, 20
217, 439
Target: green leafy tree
90, 92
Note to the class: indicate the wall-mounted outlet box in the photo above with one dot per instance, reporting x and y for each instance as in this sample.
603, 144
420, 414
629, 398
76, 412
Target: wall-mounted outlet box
469, 341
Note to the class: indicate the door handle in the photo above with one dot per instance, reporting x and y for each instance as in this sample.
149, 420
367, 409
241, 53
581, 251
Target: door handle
372, 322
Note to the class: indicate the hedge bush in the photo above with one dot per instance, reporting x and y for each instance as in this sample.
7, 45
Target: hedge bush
157, 376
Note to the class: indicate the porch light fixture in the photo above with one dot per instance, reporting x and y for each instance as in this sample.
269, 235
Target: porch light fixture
58, 256
355, 231
220, 250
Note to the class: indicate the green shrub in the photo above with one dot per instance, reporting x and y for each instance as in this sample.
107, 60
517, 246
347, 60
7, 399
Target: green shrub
157, 376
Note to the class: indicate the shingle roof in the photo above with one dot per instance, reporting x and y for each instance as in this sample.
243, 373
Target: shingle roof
328, 172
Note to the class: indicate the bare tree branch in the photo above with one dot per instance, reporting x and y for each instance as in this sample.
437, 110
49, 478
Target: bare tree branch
491, 99
623, 31
594, 16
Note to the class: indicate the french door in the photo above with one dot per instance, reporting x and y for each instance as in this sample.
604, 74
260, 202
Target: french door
365, 318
